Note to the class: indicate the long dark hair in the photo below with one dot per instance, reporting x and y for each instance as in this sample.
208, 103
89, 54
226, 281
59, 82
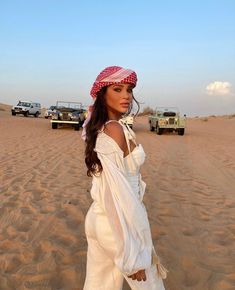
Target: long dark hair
98, 118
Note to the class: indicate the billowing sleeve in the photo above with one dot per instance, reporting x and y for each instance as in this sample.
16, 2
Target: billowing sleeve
126, 214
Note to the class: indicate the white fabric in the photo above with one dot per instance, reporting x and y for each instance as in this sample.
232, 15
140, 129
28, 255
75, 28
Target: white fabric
118, 76
117, 225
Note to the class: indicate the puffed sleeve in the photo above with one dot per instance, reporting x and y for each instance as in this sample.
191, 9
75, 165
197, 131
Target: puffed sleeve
127, 215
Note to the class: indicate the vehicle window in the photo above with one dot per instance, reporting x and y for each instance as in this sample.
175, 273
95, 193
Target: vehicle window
24, 104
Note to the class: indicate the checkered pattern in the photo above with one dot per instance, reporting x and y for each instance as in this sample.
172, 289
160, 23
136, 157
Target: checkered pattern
113, 75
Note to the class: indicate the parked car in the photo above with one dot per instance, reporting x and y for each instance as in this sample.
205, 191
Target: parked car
129, 120
26, 108
70, 113
48, 112
167, 119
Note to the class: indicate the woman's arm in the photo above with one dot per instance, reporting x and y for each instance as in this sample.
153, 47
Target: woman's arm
127, 216
115, 131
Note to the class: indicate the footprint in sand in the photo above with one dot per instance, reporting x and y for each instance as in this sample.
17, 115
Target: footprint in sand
42, 230
204, 216
38, 284
9, 217
188, 232
223, 238
48, 264
27, 270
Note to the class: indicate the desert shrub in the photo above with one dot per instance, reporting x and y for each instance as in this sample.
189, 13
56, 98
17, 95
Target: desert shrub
231, 116
204, 119
146, 111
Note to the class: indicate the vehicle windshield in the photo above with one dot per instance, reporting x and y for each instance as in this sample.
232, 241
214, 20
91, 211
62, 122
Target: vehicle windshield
71, 105
52, 108
24, 104
167, 111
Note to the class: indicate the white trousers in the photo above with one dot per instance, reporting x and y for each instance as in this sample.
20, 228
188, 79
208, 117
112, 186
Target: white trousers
101, 272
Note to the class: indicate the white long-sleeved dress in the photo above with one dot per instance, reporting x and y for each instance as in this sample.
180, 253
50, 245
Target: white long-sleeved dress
117, 226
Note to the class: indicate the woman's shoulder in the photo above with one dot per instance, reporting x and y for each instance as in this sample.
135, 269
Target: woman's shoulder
115, 131
111, 138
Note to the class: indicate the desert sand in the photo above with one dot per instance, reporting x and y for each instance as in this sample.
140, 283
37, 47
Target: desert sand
44, 197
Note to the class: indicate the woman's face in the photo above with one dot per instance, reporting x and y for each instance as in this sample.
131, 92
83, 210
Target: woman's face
118, 99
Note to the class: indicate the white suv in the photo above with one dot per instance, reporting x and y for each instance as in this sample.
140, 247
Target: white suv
26, 108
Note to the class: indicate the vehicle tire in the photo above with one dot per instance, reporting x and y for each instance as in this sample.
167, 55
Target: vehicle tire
76, 127
151, 127
26, 114
159, 131
181, 131
36, 115
81, 122
13, 113
54, 125
46, 117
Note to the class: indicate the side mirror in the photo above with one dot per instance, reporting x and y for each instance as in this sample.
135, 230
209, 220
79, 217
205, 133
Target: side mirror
184, 115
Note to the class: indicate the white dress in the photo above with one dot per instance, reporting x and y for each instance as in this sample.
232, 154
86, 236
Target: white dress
117, 226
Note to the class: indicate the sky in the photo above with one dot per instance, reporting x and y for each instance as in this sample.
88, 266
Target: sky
182, 51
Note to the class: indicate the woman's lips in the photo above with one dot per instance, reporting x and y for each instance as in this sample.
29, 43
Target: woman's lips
125, 105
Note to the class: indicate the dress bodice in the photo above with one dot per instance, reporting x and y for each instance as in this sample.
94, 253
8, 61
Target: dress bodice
136, 157
134, 160
130, 163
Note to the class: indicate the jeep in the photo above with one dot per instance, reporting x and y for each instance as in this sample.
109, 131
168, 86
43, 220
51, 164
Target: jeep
167, 119
26, 108
70, 113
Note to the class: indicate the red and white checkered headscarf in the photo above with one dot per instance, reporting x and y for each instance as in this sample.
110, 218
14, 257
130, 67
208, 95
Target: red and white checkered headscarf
113, 75
109, 76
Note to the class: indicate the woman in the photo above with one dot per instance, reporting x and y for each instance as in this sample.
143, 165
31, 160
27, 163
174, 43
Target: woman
117, 227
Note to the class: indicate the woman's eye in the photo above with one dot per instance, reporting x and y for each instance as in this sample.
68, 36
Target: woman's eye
117, 90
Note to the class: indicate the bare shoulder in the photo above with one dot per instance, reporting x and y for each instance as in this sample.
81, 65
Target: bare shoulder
115, 131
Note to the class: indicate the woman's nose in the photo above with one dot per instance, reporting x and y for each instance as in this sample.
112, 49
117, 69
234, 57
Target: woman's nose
127, 95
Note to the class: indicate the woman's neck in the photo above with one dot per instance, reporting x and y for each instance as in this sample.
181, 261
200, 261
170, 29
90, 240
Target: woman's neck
114, 116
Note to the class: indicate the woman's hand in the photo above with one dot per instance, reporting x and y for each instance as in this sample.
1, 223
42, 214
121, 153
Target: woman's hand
139, 276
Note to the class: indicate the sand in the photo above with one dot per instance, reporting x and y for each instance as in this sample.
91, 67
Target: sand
44, 197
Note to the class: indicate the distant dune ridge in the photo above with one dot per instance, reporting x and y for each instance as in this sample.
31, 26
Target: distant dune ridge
4, 107
45, 194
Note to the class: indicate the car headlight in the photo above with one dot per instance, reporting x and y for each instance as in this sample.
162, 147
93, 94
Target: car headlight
54, 116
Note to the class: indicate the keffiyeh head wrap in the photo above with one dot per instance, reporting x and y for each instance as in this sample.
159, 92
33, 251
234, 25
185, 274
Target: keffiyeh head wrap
109, 76
113, 75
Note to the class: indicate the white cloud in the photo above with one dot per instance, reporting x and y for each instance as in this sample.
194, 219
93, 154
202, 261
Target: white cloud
218, 88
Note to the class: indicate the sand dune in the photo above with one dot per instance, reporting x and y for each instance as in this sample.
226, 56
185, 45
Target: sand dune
44, 196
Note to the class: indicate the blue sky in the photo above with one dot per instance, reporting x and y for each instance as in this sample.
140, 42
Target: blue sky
182, 51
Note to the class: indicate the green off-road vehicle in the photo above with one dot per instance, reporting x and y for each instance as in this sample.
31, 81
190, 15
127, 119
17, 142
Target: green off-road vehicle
167, 119
68, 113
